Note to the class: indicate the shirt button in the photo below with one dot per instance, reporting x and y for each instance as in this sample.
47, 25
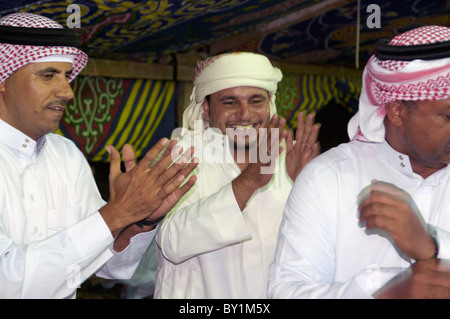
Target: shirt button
36, 229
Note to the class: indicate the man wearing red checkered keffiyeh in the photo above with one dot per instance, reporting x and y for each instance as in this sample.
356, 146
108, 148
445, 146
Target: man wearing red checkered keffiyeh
414, 66
370, 218
55, 229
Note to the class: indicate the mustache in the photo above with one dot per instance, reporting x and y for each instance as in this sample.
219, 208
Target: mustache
57, 103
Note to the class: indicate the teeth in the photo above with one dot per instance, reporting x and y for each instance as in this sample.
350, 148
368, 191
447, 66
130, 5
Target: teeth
243, 127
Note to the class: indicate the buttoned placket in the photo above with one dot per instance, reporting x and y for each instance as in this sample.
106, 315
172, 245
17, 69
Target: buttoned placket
33, 208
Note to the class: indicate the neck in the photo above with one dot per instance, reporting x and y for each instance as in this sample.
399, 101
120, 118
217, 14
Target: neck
424, 171
419, 167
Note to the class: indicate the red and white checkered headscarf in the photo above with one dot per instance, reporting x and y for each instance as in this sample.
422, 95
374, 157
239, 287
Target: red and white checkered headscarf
385, 81
15, 56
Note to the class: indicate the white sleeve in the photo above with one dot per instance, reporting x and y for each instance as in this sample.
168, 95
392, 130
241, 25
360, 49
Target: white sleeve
202, 225
56, 266
304, 263
123, 264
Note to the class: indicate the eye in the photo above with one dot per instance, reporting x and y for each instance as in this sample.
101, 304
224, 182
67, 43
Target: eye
229, 102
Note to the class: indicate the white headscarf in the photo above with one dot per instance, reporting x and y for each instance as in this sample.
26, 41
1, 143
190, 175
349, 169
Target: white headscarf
226, 71
385, 81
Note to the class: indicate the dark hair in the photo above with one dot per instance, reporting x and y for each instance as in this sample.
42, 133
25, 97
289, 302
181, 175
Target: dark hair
410, 106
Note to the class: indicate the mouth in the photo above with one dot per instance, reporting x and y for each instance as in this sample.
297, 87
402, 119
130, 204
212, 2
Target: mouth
243, 127
56, 108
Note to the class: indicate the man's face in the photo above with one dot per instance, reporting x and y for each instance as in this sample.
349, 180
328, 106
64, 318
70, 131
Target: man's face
427, 133
33, 98
241, 111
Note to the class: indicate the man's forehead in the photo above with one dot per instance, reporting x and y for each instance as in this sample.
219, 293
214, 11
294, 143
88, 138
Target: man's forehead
434, 105
241, 91
61, 66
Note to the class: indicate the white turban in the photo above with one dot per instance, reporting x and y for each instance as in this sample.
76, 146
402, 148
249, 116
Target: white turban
388, 80
226, 71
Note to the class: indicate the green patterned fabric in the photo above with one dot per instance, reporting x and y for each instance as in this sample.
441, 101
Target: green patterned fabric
312, 92
119, 111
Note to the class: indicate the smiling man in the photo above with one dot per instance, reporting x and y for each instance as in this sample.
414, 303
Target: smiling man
55, 229
219, 241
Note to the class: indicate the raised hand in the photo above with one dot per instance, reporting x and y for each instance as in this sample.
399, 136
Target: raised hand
306, 146
139, 192
391, 209
259, 173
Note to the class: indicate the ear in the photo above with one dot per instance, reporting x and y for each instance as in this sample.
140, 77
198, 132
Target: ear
2, 87
205, 107
395, 112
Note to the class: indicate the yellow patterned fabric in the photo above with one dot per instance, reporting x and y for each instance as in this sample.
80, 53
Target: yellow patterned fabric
312, 92
119, 111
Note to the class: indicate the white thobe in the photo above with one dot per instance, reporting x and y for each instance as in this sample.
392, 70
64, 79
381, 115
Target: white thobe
323, 251
208, 247
52, 236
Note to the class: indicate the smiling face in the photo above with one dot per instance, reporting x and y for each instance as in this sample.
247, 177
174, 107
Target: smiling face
240, 112
33, 98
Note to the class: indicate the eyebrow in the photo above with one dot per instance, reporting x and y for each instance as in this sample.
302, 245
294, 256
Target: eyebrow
233, 97
53, 70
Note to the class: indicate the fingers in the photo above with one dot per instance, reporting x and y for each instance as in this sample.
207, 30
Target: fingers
289, 141
378, 208
186, 187
170, 148
114, 165
377, 205
383, 192
377, 215
151, 155
307, 131
129, 159
178, 180
171, 167
315, 151
276, 128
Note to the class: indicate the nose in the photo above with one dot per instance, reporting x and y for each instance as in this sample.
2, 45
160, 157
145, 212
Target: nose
244, 111
64, 90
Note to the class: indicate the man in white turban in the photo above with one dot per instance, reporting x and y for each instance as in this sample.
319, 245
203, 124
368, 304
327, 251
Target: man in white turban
371, 218
55, 229
219, 241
